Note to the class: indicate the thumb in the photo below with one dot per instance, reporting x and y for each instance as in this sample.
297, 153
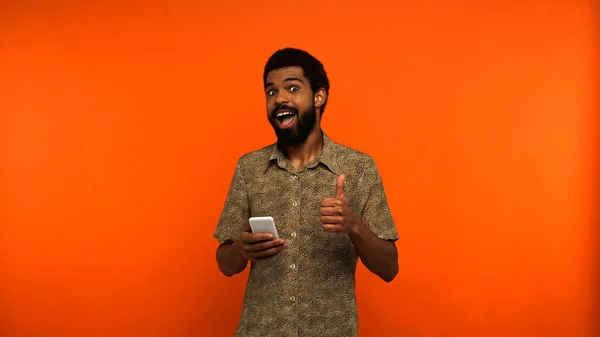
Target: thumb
339, 186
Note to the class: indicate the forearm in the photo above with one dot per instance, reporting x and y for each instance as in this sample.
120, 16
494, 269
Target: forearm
379, 256
230, 260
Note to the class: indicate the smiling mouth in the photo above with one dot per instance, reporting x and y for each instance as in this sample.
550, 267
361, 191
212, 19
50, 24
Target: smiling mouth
285, 118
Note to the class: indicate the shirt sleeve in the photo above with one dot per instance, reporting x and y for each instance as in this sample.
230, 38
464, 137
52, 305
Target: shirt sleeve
376, 212
235, 212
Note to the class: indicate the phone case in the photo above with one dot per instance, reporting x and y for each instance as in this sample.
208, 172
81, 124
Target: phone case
264, 224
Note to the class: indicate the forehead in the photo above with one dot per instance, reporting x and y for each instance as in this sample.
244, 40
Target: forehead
279, 75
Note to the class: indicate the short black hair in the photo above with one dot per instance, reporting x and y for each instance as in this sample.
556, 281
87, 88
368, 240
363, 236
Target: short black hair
312, 67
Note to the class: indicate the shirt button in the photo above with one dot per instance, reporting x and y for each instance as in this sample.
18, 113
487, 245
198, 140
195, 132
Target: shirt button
293, 234
295, 203
293, 266
294, 177
293, 298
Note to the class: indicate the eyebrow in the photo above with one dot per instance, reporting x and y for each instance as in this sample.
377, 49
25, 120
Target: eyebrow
286, 80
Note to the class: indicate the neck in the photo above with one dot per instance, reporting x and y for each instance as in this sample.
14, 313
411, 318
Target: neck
302, 154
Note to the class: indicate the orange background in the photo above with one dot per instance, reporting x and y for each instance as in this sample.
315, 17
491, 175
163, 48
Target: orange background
121, 124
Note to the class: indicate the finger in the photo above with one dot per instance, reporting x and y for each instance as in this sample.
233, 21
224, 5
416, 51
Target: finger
333, 228
256, 247
339, 186
331, 210
258, 237
259, 246
247, 228
332, 220
329, 202
266, 253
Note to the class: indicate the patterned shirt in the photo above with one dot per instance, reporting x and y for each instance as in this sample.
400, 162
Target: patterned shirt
308, 289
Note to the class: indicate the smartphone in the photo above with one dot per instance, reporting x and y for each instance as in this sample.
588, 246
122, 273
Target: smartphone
263, 224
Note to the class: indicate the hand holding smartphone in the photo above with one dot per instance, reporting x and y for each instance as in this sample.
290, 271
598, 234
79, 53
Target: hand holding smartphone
256, 245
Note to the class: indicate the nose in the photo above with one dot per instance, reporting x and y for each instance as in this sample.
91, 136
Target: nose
281, 97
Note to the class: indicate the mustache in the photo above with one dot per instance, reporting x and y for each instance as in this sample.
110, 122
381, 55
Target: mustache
281, 107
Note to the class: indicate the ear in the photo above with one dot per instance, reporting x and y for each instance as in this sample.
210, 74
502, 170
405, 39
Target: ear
320, 97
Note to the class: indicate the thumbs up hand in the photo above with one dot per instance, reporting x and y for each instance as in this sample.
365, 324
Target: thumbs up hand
336, 214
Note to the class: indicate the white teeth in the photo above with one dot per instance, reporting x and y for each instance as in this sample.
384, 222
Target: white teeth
286, 113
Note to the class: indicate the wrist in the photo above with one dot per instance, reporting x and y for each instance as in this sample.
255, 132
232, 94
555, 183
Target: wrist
357, 230
238, 250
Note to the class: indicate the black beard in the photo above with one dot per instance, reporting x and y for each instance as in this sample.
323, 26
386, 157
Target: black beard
305, 122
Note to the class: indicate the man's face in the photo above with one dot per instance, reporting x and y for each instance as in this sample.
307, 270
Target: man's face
290, 105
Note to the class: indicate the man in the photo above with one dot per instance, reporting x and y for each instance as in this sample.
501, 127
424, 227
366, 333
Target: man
329, 207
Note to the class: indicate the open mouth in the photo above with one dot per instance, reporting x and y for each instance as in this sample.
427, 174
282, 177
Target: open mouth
286, 118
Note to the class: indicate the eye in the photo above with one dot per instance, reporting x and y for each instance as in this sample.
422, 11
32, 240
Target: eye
271, 92
294, 88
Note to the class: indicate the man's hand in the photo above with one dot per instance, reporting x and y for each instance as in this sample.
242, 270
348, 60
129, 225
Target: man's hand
258, 246
336, 214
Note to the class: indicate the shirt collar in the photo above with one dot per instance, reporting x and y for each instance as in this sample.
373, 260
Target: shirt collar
326, 157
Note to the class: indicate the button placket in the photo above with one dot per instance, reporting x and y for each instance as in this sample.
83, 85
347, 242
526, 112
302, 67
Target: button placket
292, 256
295, 215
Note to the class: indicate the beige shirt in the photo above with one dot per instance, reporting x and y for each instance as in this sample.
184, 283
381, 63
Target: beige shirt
308, 289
